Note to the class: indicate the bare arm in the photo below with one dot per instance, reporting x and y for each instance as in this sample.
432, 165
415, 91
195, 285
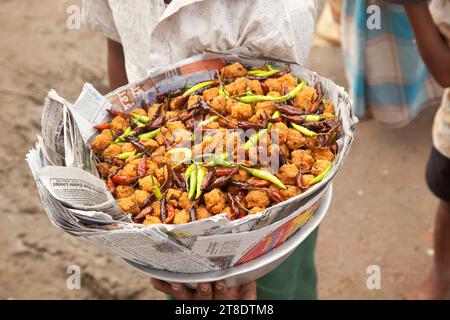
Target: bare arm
432, 46
116, 65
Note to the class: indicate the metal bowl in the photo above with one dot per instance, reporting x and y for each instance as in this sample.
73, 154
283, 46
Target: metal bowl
251, 270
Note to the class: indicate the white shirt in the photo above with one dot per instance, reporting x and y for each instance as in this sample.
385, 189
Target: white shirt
155, 34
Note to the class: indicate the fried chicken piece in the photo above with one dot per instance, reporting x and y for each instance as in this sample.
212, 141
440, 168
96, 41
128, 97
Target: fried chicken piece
288, 173
146, 183
305, 98
233, 71
257, 198
241, 176
306, 178
329, 108
319, 166
112, 151
174, 193
290, 192
128, 147
323, 154
282, 131
210, 94
230, 102
215, 201
130, 170
118, 124
219, 104
150, 144
267, 106
183, 201
255, 210
128, 205
124, 192
241, 111
282, 84
182, 216
202, 213
295, 139
302, 159
156, 209
102, 141
140, 196
175, 125
193, 99
151, 220
152, 110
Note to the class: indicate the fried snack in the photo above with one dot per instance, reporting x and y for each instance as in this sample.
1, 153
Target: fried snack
159, 171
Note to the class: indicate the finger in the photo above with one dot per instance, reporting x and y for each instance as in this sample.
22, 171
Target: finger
204, 291
248, 291
180, 292
161, 286
221, 291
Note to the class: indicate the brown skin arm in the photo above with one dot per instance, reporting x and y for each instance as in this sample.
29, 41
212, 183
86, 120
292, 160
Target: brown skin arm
116, 65
432, 46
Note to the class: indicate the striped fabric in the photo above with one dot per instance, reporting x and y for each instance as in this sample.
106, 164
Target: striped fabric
385, 71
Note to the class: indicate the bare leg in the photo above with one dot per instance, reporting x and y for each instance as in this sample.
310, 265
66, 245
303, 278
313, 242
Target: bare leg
437, 284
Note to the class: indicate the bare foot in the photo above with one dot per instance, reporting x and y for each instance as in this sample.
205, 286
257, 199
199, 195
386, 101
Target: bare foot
433, 288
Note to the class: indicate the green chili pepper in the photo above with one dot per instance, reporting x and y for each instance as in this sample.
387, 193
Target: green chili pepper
192, 182
155, 189
332, 138
140, 118
126, 155
208, 121
201, 174
149, 135
187, 173
303, 130
254, 139
219, 160
263, 73
312, 118
127, 132
256, 98
275, 115
138, 123
265, 176
140, 154
223, 92
198, 86
321, 175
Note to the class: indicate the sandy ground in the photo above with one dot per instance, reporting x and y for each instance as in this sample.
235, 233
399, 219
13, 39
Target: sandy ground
381, 212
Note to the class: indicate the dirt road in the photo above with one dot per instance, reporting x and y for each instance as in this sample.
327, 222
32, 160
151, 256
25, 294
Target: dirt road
381, 213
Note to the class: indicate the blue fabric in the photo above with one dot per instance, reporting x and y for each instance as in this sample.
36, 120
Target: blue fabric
411, 91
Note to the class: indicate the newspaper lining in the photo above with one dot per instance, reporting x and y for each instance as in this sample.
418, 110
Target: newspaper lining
78, 202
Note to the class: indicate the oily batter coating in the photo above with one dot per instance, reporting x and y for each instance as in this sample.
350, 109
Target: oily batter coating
215, 201
119, 124
102, 141
128, 205
233, 71
257, 198
124, 191
288, 173
302, 159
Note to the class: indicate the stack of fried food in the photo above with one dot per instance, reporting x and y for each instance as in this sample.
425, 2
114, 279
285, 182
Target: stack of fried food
157, 159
